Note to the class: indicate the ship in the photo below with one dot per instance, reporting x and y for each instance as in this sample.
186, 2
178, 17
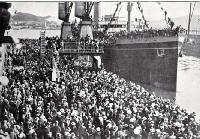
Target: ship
151, 60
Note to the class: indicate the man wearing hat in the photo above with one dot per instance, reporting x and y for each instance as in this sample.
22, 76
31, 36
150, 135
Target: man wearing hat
55, 129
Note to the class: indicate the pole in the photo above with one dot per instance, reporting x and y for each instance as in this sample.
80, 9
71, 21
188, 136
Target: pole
129, 17
189, 20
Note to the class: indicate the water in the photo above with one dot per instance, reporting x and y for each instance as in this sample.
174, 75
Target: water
27, 33
188, 76
188, 84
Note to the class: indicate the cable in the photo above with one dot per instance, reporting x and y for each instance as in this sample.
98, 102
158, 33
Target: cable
141, 11
167, 19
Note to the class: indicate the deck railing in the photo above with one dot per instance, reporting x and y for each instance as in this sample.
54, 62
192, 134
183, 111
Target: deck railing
77, 48
81, 51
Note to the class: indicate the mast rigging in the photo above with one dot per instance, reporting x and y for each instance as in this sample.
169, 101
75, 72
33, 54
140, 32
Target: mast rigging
141, 11
190, 17
108, 26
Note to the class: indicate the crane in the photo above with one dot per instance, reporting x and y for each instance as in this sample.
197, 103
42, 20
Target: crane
65, 11
83, 9
88, 8
64, 14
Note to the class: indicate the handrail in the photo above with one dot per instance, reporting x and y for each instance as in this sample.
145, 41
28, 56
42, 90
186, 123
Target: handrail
92, 51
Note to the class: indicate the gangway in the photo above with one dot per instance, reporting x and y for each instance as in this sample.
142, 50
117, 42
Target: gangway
81, 51
42, 43
76, 48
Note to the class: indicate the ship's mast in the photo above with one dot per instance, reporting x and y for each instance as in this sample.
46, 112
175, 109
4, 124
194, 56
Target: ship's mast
189, 20
129, 9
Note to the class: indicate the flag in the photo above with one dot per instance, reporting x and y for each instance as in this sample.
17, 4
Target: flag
98, 58
54, 68
2, 58
54, 75
4, 80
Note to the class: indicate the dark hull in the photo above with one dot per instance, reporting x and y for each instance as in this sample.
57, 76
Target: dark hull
139, 61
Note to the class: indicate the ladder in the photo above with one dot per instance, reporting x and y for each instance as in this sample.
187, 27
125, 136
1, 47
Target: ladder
42, 43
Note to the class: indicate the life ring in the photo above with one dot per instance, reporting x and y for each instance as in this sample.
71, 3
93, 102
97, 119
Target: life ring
160, 52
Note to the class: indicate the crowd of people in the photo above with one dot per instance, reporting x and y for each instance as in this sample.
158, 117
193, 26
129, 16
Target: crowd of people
84, 103
111, 38
86, 43
83, 43
150, 33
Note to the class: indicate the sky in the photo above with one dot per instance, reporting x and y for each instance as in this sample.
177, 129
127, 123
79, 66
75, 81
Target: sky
152, 10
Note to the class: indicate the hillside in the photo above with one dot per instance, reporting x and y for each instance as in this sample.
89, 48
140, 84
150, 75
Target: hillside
26, 17
183, 21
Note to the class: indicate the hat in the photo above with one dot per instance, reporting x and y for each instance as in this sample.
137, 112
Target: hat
89, 124
144, 118
131, 125
62, 110
98, 129
136, 131
109, 125
132, 120
59, 113
73, 123
126, 125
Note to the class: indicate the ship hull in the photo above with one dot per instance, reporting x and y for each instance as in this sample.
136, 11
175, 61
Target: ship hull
152, 62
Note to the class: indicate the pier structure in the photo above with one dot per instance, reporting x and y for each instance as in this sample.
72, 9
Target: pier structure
84, 45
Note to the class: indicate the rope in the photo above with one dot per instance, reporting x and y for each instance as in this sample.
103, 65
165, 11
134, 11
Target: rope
119, 10
108, 26
167, 19
193, 10
141, 11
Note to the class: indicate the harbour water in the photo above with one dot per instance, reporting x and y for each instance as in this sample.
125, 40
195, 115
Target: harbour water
188, 75
27, 33
188, 84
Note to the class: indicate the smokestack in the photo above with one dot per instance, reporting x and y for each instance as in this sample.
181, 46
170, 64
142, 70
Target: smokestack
97, 14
